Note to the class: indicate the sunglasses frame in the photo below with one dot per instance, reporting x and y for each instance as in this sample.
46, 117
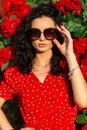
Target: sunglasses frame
51, 30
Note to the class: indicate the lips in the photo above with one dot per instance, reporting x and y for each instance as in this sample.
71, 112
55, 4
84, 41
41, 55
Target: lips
42, 45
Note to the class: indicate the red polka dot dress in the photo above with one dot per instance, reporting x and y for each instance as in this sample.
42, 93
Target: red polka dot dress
44, 106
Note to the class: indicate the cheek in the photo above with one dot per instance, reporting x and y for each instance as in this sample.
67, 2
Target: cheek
50, 44
34, 44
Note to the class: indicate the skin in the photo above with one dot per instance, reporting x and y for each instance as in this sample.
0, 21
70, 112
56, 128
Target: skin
43, 55
44, 51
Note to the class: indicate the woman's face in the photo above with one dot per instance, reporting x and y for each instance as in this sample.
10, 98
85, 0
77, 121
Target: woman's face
42, 44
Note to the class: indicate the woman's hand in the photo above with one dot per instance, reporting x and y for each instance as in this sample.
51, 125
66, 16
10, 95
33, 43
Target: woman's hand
67, 47
27, 128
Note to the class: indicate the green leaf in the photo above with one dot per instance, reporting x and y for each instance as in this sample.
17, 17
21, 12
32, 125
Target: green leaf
5, 65
84, 112
84, 34
13, 16
80, 31
36, 2
33, 4
68, 17
81, 119
85, 13
6, 41
1, 44
76, 29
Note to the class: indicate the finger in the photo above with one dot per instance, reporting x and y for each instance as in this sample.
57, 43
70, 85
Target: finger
62, 27
58, 27
62, 30
56, 42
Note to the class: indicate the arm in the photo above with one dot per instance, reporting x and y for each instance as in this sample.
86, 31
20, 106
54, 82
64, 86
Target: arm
79, 85
4, 124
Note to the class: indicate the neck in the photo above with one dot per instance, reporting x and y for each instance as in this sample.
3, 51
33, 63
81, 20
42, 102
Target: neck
43, 58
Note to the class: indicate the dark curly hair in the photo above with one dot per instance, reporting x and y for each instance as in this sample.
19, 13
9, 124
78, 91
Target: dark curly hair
24, 50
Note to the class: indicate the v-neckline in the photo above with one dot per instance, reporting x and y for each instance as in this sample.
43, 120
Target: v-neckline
39, 79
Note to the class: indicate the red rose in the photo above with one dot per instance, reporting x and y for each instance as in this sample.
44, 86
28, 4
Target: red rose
9, 5
5, 55
77, 5
16, 8
84, 60
67, 6
64, 6
9, 26
25, 10
80, 46
84, 127
84, 71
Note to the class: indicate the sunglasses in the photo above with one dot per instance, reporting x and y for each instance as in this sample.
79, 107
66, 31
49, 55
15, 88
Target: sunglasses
49, 33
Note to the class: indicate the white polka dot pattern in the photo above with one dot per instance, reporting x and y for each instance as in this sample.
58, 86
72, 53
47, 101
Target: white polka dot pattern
44, 106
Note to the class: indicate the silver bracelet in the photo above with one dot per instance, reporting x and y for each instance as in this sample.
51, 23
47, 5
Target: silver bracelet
72, 71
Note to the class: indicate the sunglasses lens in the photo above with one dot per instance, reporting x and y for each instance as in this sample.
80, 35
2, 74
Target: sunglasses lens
34, 34
50, 33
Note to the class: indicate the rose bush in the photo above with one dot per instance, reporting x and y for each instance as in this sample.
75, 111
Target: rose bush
74, 16
11, 13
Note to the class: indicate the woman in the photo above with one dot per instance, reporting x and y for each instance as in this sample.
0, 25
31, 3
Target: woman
48, 98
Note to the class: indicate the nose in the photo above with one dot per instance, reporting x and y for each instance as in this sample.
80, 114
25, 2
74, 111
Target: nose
42, 37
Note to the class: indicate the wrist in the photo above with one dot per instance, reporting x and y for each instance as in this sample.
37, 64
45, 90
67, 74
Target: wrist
72, 62
71, 58
72, 71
